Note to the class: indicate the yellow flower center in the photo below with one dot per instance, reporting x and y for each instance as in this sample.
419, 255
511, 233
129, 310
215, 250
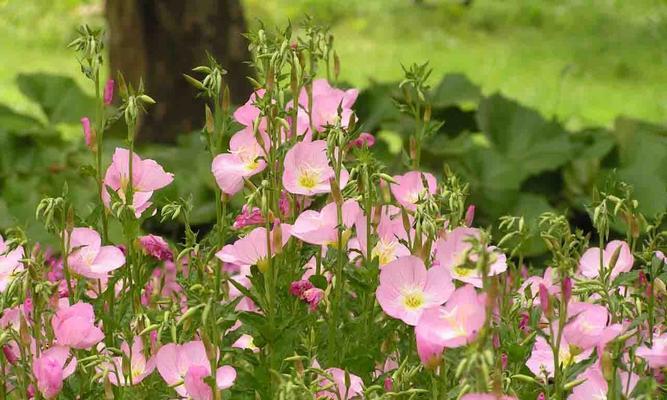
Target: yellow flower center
308, 178
414, 300
384, 251
463, 271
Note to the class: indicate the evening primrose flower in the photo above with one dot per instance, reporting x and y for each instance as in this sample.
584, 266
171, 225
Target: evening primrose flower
409, 187
87, 256
10, 264
655, 356
541, 361
243, 161
307, 170
51, 368
407, 289
454, 251
321, 227
326, 102
139, 369
335, 388
458, 322
252, 249
590, 267
74, 326
147, 176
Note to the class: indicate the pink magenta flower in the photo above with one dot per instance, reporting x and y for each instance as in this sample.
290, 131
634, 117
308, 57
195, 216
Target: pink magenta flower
589, 265
89, 258
334, 386
248, 217
486, 396
586, 329
108, 92
74, 326
185, 366
454, 253
51, 369
252, 249
541, 361
242, 162
139, 367
458, 322
326, 101
320, 228
656, 356
364, 139
147, 176
407, 289
307, 170
410, 186
157, 247
10, 264
87, 132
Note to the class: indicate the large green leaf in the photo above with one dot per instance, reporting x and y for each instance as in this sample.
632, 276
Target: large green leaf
522, 137
455, 89
59, 97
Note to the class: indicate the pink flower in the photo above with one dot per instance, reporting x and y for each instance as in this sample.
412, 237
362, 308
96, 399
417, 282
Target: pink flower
139, 367
313, 296
252, 249
334, 386
656, 356
10, 264
242, 162
470, 215
89, 258
541, 361
458, 322
185, 366
589, 265
297, 288
248, 217
486, 396
390, 231
248, 112
455, 253
307, 170
429, 352
320, 228
51, 369
108, 92
87, 132
410, 186
533, 284
660, 256
588, 325
147, 176
365, 139
407, 289
157, 247
595, 385
246, 341
326, 101
74, 326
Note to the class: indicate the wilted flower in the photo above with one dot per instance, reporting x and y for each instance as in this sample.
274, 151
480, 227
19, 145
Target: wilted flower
157, 247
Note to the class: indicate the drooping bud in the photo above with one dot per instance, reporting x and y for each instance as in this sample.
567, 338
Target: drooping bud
566, 288
88, 133
108, 92
545, 301
470, 215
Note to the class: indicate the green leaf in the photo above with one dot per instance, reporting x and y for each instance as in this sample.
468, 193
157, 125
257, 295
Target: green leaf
455, 89
59, 97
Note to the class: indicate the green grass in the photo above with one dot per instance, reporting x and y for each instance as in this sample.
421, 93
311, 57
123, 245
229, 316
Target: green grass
583, 61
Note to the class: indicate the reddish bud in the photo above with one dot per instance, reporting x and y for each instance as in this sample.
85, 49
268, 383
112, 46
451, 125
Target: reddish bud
566, 288
470, 215
108, 92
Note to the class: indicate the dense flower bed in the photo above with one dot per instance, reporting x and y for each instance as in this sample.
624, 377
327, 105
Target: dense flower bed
334, 280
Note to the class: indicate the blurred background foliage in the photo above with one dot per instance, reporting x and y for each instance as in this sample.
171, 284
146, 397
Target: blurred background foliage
542, 100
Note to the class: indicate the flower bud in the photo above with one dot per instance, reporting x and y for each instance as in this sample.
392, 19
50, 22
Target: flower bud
108, 92
545, 301
566, 288
470, 215
88, 132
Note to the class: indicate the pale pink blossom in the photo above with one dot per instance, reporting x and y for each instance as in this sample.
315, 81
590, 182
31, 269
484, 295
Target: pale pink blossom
185, 366
246, 342
389, 234
429, 352
147, 176
595, 385
458, 322
334, 386
307, 170
320, 228
486, 396
51, 368
139, 366
407, 288
587, 325
87, 257
365, 139
409, 187
252, 249
455, 253
532, 284
249, 112
326, 102
541, 361
74, 326
10, 264
241, 162
589, 265
655, 356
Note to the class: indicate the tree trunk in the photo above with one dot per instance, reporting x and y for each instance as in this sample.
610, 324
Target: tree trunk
159, 40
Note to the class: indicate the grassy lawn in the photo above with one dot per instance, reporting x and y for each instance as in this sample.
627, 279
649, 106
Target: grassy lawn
583, 61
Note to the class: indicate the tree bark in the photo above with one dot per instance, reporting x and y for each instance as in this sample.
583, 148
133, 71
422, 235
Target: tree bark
159, 40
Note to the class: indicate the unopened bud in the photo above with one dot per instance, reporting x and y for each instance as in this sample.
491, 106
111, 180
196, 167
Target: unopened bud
108, 92
566, 288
